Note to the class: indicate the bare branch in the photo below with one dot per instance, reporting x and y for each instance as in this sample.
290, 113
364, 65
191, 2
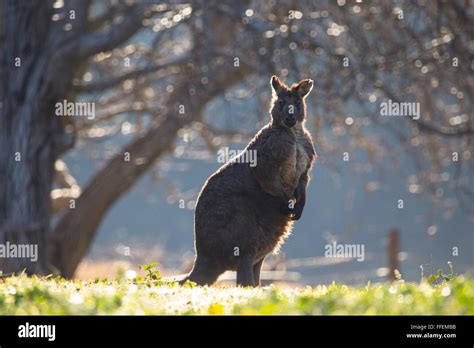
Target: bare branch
68, 188
114, 81
115, 35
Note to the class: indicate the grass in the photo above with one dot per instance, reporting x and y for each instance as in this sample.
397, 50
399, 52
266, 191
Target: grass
23, 295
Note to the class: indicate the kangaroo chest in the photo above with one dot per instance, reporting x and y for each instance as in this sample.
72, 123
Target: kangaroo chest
295, 164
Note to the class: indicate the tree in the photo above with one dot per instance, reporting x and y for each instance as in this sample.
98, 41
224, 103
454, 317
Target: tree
52, 53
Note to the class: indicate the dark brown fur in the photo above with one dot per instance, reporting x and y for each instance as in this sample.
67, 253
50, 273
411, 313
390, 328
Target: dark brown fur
243, 213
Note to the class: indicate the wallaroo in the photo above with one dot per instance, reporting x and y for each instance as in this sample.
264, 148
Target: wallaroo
243, 213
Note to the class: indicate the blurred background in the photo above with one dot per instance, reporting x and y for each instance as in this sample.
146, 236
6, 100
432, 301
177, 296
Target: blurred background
174, 82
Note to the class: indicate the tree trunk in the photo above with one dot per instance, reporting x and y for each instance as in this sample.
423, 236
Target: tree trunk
36, 73
26, 134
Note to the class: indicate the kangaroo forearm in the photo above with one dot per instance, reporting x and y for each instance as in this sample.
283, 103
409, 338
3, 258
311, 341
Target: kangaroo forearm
300, 191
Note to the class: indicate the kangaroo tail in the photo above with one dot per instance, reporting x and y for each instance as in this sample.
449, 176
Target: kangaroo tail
203, 273
180, 278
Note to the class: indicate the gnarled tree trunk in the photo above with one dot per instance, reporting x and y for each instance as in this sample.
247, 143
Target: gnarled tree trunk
29, 132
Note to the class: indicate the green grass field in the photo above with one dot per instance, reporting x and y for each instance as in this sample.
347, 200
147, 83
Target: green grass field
142, 296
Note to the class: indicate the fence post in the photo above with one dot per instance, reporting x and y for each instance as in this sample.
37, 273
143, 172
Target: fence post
392, 251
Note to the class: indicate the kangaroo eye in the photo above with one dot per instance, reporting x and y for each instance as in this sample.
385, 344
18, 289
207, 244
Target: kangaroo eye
281, 102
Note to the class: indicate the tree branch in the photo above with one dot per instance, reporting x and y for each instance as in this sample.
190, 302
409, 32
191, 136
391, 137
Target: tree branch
115, 35
103, 85
68, 188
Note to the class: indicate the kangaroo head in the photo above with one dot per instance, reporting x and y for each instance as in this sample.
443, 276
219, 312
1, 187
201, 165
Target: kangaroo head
288, 106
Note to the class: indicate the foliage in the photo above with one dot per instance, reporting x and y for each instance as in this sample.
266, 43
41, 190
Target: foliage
441, 276
152, 274
56, 296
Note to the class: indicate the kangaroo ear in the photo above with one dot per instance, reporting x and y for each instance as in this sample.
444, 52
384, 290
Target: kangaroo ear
304, 87
277, 85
